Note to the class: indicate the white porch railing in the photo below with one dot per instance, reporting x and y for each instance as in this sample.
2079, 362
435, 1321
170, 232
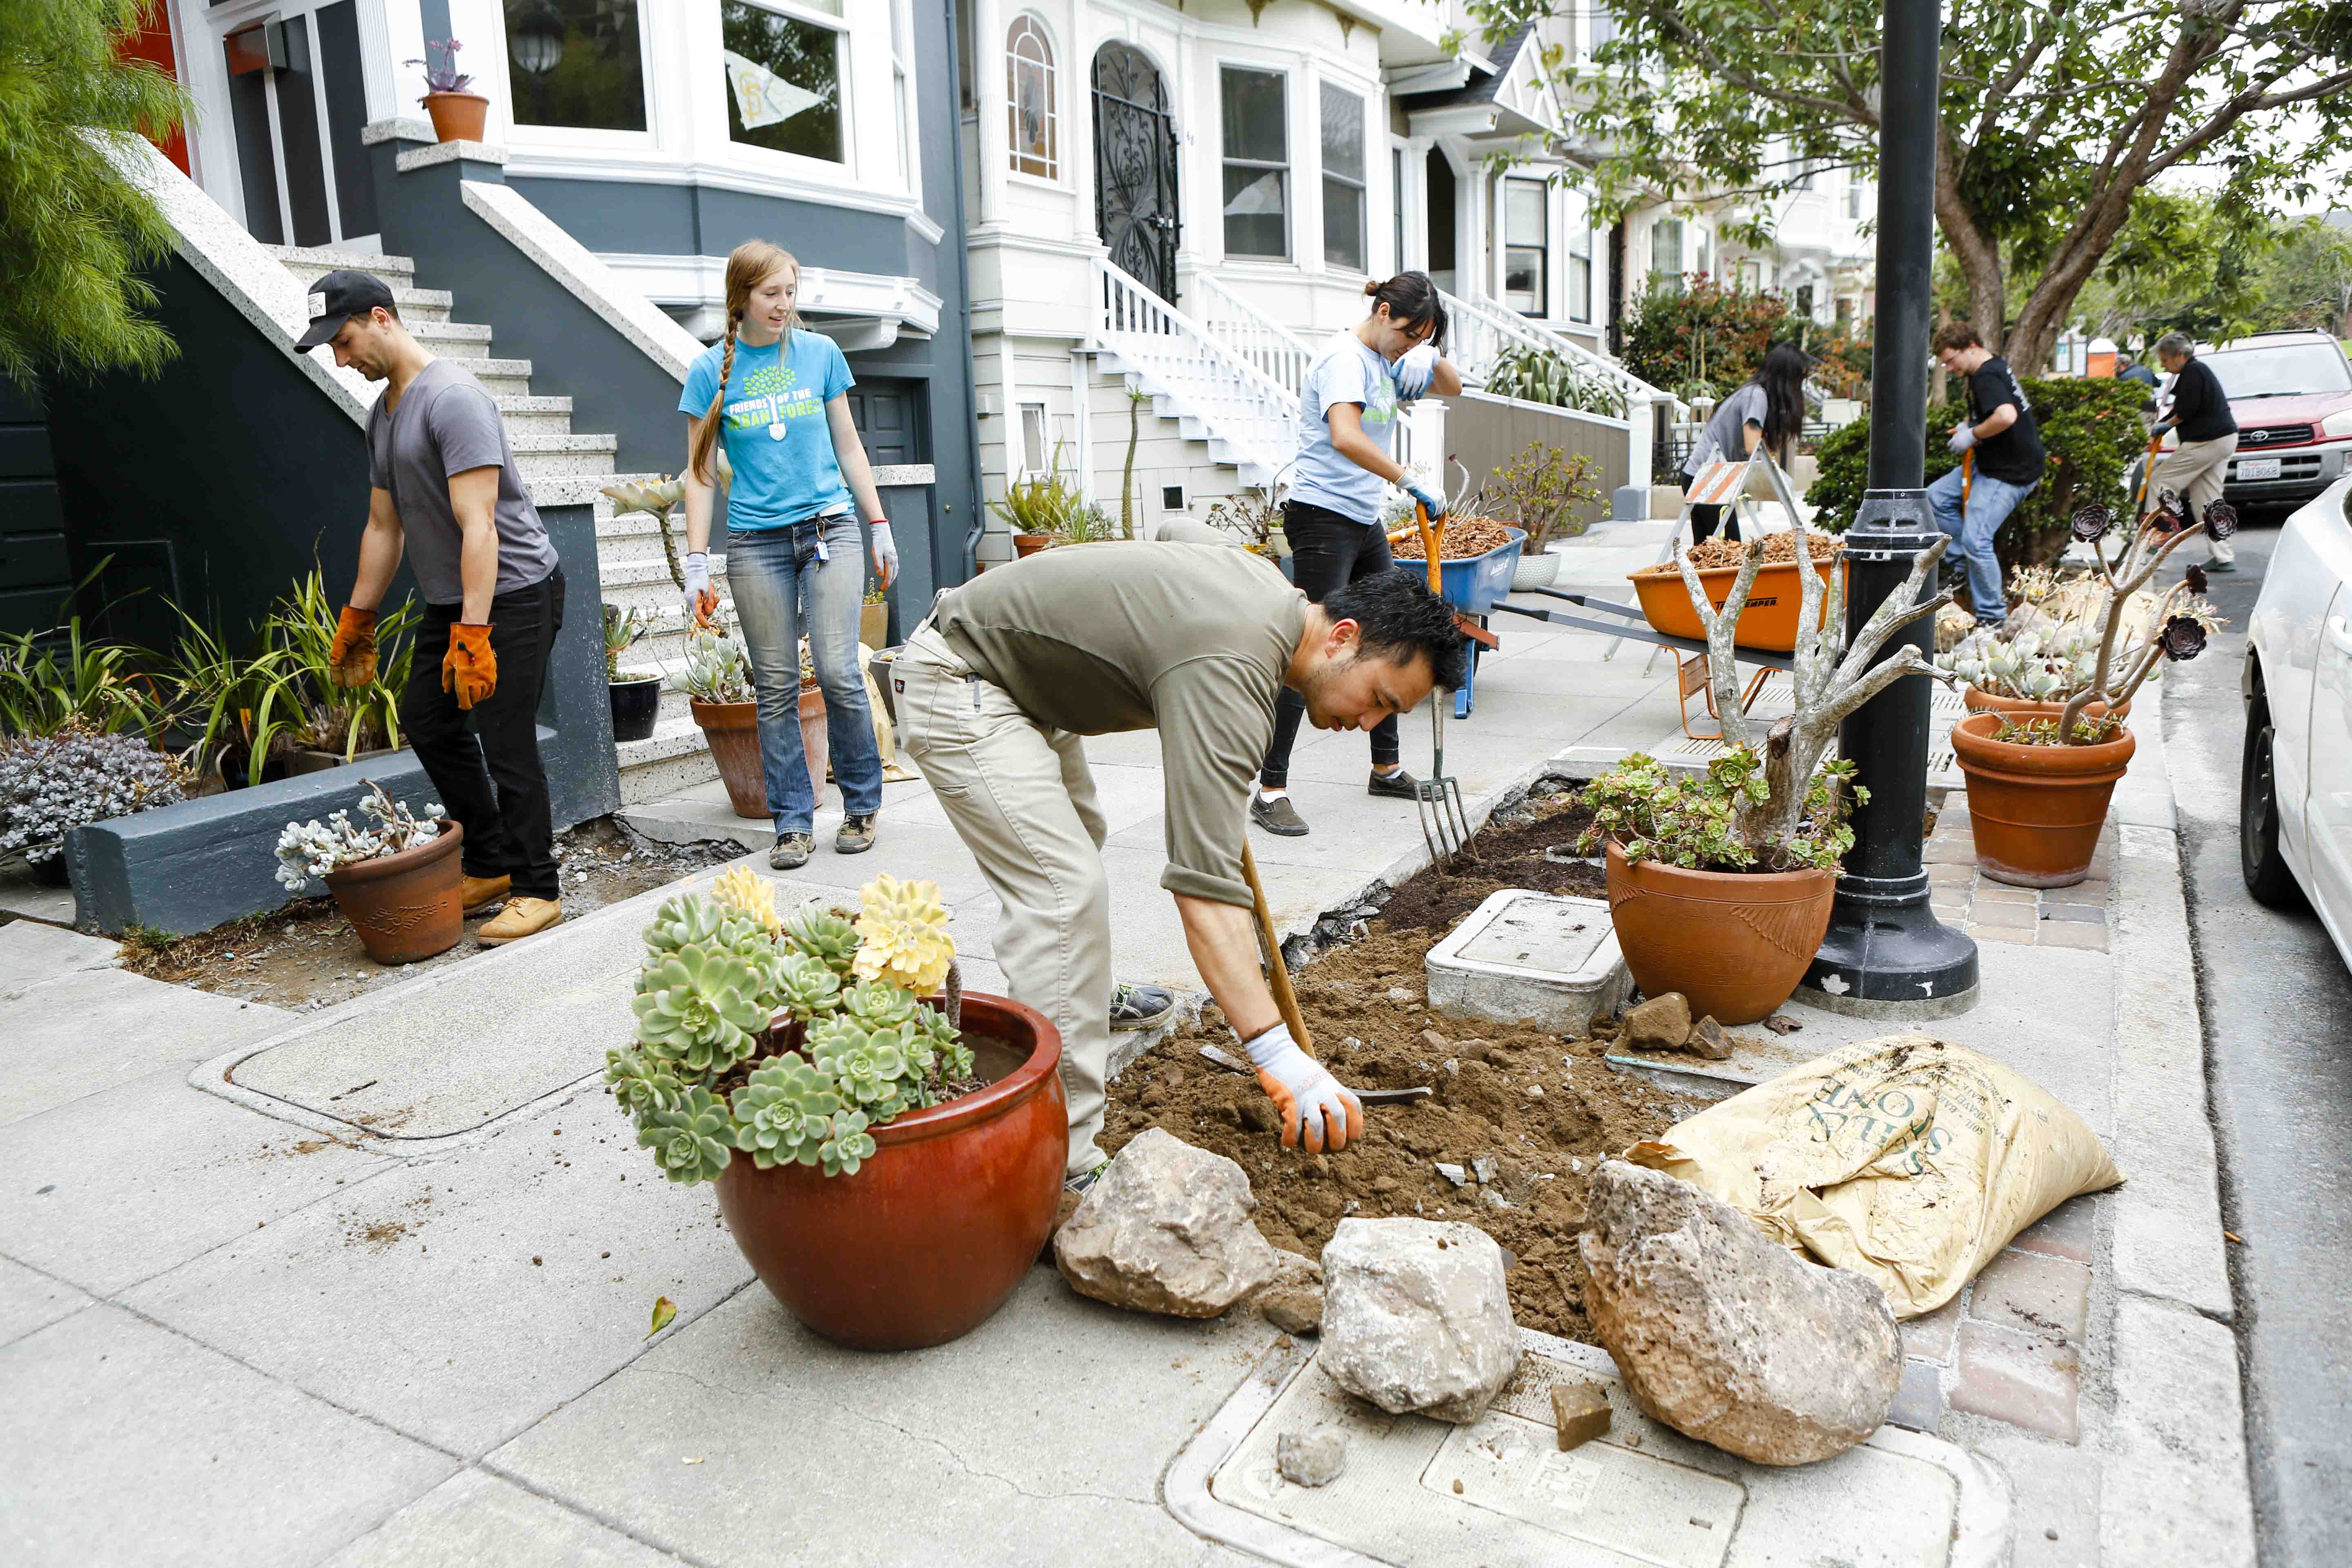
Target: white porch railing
1480, 329
1249, 418
1265, 343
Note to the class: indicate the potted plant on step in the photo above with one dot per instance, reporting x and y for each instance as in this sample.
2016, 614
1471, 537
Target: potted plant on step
2039, 784
889, 1168
457, 115
395, 877
636, 699
1039, 509
1541, 490
1719, 886
718, 684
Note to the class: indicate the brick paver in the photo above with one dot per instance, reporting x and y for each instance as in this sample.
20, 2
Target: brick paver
2016, 1377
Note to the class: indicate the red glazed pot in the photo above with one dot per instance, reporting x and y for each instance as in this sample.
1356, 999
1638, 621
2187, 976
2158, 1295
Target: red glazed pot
405, 906
1733, 942
1976, 699
731, 729
933, 1234
2036, 811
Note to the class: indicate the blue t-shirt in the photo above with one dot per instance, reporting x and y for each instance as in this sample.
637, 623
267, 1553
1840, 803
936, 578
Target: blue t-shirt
1346, 371
773, 422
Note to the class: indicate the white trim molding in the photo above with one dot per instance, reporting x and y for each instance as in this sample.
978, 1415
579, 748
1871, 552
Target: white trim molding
702, 281
589, 278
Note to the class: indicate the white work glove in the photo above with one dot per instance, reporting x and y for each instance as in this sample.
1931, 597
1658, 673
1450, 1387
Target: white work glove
701, 599
1428, 499
1963, 438
1315, 1106
1415, 370
885, 553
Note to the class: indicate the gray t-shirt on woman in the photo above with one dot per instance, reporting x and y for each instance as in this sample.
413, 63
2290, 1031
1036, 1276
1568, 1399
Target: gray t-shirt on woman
446, 424
1726, 435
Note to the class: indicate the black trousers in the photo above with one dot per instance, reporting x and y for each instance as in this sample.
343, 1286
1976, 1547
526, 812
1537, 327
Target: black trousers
1704, 519
484, 763
1327, 552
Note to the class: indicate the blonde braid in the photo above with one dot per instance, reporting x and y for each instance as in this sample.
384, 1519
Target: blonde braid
706, 430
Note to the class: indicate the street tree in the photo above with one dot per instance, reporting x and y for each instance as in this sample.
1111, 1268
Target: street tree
2055, 116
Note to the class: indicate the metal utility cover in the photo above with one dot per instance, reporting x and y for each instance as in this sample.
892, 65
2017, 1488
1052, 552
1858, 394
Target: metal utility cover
1529, 955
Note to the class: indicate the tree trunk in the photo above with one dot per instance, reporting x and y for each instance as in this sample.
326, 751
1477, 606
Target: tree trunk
1980, 256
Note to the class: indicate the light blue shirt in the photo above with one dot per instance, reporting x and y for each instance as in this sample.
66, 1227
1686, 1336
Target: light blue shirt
774, 425
1348, 371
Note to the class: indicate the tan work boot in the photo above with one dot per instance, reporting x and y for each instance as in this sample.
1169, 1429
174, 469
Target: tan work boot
475, 894
520, 919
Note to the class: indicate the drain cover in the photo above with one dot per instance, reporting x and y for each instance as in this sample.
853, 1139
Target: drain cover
1500, 1493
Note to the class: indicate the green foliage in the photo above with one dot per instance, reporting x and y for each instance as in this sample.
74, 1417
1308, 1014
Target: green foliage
1541, 490
825, 935
806, 987
48, 684
2091, 429
1049, 503
1700, 334
292, 686
74, 235
1694, 821
1541, 376
622, 630
697, 1009
784, 1115
690, 1139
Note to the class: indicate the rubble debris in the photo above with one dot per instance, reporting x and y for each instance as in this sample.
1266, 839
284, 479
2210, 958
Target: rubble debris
1580, 1412
1293, 1301
1781, 1024
1417, 1316
1166, 1228
1454, 1174
1660, 1024
1313, 1457
1483, 1165
1706, 1039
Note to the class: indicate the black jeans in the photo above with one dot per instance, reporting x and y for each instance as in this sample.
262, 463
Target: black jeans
1705, 518
1327, 552
503, 805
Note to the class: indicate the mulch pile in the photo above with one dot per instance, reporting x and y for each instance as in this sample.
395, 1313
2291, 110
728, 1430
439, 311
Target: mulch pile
1465, 537
1708, 554
1363, 1005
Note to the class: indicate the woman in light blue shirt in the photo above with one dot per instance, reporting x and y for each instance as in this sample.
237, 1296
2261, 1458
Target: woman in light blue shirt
776, 395
1349, 405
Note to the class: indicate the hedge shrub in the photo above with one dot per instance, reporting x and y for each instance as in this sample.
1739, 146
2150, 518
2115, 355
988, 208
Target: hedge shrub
1706, 332
2090, 427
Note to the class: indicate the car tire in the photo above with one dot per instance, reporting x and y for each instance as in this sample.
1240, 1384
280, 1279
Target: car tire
2268, 877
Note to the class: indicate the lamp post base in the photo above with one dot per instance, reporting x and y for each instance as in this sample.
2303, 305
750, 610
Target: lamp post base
1887, 956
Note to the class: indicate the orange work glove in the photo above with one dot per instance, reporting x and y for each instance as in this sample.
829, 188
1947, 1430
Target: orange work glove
469, 668
1316, 1109
352, 657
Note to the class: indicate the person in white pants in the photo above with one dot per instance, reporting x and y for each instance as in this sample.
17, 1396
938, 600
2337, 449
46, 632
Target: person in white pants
2196, 469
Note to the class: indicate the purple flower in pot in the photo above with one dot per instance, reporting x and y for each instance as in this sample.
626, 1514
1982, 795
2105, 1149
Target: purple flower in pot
2092, 522
2183, 637
2221, 519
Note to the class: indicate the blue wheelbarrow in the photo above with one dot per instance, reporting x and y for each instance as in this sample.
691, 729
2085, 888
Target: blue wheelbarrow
1474, 586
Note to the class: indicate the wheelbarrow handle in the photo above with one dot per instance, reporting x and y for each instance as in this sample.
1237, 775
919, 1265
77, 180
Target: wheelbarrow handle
1433, 543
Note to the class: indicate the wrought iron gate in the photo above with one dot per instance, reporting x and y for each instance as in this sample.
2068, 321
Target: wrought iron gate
1135, 168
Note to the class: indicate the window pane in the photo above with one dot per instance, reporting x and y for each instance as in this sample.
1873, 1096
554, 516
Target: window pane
576, 62
1029, 98
783, 82
1343, 225
1579, 289
1523, 206
1255, 211
1252, 117
1343, 134
1579, 240
1666, 247
1523, 280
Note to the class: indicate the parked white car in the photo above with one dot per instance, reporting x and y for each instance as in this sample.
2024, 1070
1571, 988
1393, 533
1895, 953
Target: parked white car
2294, 790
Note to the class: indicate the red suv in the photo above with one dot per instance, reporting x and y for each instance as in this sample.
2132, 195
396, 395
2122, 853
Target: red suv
2290, 393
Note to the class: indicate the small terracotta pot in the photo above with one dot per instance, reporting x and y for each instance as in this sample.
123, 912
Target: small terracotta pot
1733, 942
2036, 811
815, 742
873, 626
732, 731
405, 906
1976, 699
931, 1234
457, 116
1025, 544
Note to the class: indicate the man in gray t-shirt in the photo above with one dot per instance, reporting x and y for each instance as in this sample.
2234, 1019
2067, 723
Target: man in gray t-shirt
444, 492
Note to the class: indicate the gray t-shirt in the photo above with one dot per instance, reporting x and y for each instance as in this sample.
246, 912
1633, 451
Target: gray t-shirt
1726, 436
446, 425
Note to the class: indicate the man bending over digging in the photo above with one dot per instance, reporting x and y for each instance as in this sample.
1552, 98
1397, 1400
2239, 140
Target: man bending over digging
996, 687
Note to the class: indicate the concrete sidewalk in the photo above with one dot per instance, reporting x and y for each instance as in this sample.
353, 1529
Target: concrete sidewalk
376, 1291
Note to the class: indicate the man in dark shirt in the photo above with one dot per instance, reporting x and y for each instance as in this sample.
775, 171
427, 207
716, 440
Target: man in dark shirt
2003, 445
2200, 413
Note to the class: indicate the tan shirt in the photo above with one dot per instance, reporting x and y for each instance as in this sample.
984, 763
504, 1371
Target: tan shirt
1192, 639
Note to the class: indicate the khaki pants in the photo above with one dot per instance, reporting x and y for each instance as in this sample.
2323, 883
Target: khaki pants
2194, 470
1020, 796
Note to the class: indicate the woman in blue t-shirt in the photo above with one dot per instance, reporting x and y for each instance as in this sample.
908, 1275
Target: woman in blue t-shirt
792, 538
1348, 411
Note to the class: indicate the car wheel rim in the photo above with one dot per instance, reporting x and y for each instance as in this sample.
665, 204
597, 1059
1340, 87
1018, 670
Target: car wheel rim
2260, 800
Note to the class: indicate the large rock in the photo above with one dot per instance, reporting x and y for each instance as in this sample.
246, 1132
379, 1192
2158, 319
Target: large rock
1726, 1335
1166, 1228
1416, 1316
1660, 1024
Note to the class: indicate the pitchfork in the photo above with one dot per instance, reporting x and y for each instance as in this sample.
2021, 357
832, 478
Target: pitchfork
1444, 823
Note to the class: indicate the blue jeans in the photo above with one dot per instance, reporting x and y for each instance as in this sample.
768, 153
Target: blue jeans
1990, 500
774, 576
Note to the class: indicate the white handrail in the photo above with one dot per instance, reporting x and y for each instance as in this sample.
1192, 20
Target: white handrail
1273, 349
1177, 358
1503, 323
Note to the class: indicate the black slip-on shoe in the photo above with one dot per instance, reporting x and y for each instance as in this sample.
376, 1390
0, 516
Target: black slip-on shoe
1277, 815
1398, 785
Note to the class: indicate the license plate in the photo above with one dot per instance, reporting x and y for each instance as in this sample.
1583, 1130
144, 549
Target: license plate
2258, 468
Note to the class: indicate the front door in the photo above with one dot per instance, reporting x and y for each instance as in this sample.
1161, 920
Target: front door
1135, 168
287, 77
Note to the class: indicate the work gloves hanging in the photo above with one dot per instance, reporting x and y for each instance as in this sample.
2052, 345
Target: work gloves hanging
353, 657
885, 553
469, 668
1316, 1109
701, 598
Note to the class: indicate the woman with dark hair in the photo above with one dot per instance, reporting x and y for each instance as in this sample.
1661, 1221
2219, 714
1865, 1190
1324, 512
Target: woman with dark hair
1768, 411
1346, 444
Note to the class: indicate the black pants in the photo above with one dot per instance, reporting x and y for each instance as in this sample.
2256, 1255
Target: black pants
1327, 552
1705, 518
484, 763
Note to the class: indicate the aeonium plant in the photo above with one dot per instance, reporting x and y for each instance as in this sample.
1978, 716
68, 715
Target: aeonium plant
709, 1077
1694, 821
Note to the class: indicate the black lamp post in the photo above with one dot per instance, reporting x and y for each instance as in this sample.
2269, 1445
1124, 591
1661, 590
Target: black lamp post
1886, 953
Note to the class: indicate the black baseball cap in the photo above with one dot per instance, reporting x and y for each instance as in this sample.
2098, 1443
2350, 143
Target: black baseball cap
337, 298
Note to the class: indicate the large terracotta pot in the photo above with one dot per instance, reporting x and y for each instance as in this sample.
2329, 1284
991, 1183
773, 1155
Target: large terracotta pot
457, 116
1733, 942
405, 906
1976, 699
815, 745
2036, 811
732, 731
931, 1234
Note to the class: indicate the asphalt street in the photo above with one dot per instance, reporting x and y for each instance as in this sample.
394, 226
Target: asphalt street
2277, 1001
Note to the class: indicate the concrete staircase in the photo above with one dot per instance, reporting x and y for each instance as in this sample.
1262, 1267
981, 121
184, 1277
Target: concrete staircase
563, 466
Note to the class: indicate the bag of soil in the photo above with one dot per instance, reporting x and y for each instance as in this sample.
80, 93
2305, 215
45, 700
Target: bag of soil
1908, 1159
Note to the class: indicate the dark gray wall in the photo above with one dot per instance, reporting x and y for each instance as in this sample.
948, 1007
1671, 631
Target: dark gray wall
34, 572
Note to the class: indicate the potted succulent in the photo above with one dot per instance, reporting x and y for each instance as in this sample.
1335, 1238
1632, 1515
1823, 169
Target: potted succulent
890, 1167
1541, 490
2039, 784
636, 700
457, 115
718, 685
1041, 508
2048, 649
1719, 886
51, 784
395, 877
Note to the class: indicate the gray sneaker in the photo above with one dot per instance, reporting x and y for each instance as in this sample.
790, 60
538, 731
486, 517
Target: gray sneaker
857, 835
1083, 1182
1277, 815
791, 851
1140, 1006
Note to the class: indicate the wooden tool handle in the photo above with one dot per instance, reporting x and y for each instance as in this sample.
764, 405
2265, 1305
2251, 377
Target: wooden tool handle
1277, 976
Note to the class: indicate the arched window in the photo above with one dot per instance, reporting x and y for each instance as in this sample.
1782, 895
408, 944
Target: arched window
1033, 127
